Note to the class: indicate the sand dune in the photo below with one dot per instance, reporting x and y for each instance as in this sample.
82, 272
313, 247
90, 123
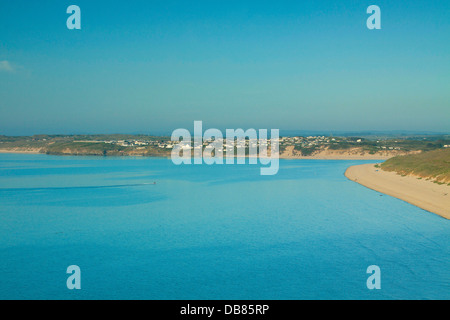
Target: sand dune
21, 150
343, 154
419, 192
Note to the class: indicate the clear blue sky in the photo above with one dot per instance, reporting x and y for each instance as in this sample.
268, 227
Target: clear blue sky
152, 66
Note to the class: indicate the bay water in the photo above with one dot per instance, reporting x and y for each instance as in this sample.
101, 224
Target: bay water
144, 228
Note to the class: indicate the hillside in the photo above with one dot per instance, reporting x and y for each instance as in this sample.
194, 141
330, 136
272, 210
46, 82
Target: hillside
432, 165
311, 147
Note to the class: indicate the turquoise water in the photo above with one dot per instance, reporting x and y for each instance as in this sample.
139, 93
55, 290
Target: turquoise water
210, 232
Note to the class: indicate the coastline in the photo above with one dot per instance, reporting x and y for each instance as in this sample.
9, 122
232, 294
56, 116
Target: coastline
343, 154
318, 156
424, 194
338, 157
30, 151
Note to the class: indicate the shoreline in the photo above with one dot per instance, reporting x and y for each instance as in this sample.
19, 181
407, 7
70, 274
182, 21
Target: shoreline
406, 188
29, 151
424, 194
281, 156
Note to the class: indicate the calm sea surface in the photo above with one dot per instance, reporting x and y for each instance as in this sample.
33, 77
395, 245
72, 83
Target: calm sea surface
210, 232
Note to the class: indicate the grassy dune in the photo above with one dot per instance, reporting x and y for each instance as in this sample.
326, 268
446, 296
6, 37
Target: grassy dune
102, 149
433, 165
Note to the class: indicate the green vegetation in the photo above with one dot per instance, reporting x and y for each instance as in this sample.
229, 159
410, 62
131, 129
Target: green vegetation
432, 165
306, 151
373, 146
147, 145
85, 148
99, 145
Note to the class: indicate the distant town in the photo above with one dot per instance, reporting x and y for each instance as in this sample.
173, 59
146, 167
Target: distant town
289, 146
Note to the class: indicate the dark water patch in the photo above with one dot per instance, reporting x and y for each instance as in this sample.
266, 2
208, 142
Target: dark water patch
76, 187
90, 196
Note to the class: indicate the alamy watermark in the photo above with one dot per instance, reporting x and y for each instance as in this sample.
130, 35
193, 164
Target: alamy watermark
374, 280
374, 21
74, 280
210, 146
74, 20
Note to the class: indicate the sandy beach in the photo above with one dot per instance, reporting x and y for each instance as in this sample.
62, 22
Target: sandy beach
19, 150
342, 154
424, 194
348, 154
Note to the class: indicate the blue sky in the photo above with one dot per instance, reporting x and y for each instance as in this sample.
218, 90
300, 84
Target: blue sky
153, 66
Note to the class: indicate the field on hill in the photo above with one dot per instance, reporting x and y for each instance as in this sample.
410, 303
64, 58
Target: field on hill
433, 165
